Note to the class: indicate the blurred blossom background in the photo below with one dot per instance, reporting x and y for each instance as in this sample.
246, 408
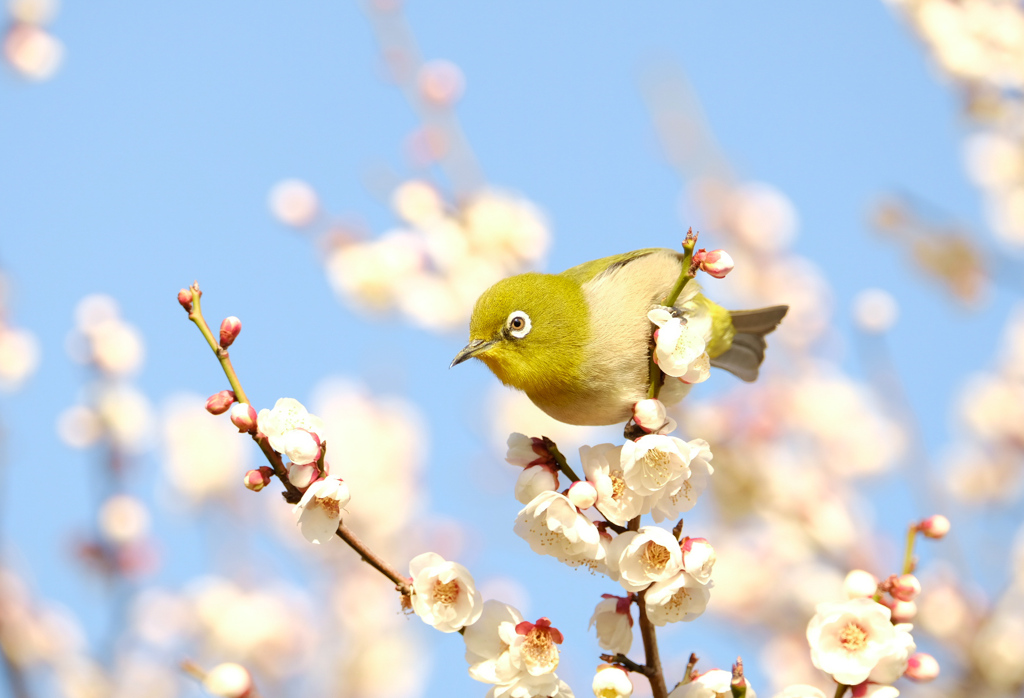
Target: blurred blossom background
346, 178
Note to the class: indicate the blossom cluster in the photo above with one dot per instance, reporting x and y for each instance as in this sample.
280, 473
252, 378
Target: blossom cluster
434, 266
866, 641
979, 44
19, 348
28, 47
517, 657
656, 474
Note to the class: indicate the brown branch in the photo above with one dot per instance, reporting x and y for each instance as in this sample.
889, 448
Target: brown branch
374, 560
292, 494
651, 658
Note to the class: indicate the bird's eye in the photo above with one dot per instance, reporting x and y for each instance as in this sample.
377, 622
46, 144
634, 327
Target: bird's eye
518, 324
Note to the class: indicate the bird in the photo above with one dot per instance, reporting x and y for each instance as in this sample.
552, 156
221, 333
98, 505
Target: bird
579, 343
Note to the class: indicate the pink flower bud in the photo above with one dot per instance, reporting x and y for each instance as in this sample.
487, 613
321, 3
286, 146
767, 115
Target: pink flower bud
936, 526
229, 330
582, 494
243, 416
903, 611
860, 584
922, 667
256, 480
717, 263
649, 415
905, 588
221, 402
185, 298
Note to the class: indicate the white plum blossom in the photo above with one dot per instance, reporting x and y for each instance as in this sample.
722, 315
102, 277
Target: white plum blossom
533, 480
517, 657
526, 686
653, 462
892, 665
552, 525
681, 495
641, 557
302, 476
612, 682
300, 445
603, 468
698, 558
614, 623
228, 680
874, 690
800, 691
444, 594
850, 639
318, 513
860, 584
492, 644
712, 684
288, 415
681, 342
524, 451
679, 598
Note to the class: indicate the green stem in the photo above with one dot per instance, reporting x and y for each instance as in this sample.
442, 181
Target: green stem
196, 316
292, 493
908, 556
563, 464
656, 377
840, 690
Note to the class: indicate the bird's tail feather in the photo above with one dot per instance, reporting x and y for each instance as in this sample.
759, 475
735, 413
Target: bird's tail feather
744, 357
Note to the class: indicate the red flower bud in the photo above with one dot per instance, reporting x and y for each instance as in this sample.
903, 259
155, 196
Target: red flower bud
221, 402
185, 298
229, 330
256, 480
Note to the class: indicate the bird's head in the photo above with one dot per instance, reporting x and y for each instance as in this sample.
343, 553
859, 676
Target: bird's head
531, 330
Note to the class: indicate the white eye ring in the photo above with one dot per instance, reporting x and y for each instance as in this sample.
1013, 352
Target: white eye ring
518, 324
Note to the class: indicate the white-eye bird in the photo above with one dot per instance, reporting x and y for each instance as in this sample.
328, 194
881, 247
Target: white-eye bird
579, 343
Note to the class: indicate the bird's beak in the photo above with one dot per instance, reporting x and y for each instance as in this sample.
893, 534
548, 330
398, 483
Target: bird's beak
471, 350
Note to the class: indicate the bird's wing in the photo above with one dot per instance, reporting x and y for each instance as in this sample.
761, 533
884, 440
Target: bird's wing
608, 265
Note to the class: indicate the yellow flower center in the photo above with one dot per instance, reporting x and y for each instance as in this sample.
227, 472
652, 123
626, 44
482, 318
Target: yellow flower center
330, 505
683, 343
539, 651
654, 557
853, 638
618, 485
446, 593
681, 597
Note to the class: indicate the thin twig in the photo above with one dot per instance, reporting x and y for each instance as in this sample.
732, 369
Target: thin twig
908, 556
374, 560
292, 494
625, 662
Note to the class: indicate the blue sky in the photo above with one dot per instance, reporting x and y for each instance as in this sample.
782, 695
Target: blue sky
145, 163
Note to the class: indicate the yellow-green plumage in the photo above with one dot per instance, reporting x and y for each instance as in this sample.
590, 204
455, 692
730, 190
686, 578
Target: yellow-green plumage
584, 356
